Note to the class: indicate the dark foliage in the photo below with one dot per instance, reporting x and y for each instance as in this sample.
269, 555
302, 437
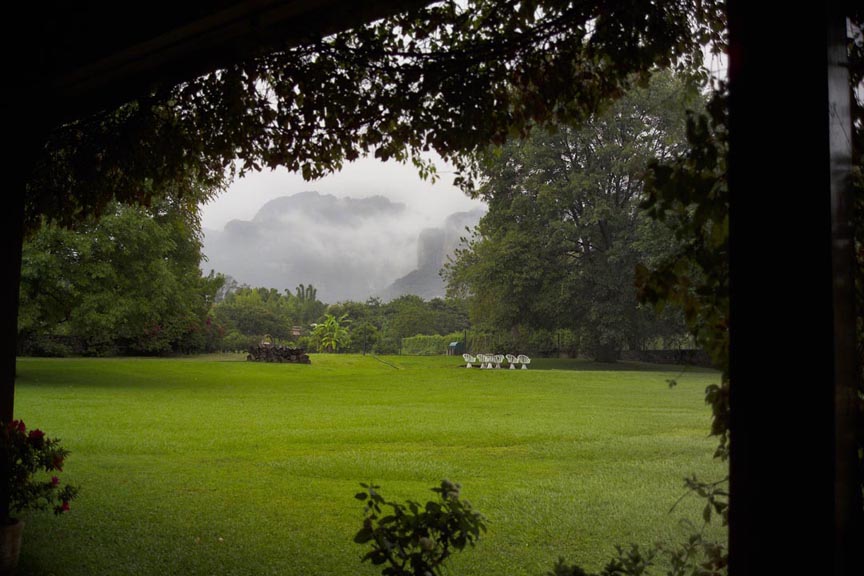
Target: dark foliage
415, 540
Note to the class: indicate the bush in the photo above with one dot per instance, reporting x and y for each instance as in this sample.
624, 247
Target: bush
234, 341
46, 346
305, 342
363, 337
33, 461
425, 345
542, 342
413, 540
387, 345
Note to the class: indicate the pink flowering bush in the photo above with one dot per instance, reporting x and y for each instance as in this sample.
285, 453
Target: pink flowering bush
33, 462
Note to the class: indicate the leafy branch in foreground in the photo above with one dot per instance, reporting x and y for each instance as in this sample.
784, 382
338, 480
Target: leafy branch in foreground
695, 557
448, 76
690, 195
415, 540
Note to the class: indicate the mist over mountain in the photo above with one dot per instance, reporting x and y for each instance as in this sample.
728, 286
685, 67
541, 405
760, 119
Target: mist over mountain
349, 248
434, 245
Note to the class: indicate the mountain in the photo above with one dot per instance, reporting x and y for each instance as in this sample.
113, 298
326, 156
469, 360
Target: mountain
349, 248
434, 245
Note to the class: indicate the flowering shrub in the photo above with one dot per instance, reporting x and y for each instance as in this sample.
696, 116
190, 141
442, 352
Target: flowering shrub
33, 461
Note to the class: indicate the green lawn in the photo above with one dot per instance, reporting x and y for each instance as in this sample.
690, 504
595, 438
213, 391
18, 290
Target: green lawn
218, 466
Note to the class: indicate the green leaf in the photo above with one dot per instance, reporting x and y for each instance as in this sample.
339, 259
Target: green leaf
364, 535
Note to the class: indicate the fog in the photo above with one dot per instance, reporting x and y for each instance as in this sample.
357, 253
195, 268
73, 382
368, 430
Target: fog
351, 234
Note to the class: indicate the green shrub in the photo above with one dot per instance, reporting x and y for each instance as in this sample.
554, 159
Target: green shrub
46, 346
425, 345
234, 341
542, 342
413, 540
387, 345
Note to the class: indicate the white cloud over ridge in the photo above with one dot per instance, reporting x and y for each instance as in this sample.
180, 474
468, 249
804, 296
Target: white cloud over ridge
351, 237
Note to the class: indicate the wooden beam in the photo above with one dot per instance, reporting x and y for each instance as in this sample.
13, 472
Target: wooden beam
790, 334
848, 528
188, 46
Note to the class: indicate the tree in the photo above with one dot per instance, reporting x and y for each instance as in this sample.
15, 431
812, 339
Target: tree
407, 316
363, 337
310, 308
228, 286
129, 282
250, 313
332, 333
856, 78
448, 76
689, 196
564, 232
256, 312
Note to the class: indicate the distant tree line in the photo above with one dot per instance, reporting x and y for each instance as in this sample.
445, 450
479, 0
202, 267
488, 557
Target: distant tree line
247, 314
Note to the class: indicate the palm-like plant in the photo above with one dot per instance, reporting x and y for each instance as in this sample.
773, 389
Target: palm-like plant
332, 333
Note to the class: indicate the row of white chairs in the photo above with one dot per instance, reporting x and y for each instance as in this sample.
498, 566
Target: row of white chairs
495, 360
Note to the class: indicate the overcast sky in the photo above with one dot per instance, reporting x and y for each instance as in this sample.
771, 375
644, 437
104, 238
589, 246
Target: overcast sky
428, 204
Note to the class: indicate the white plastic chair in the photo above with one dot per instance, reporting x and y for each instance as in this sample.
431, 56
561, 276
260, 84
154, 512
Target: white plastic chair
498, 358
512, 360
524, 360
485, 360
468, 359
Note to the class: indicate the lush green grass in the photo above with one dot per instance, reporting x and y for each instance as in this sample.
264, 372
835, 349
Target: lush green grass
218, 466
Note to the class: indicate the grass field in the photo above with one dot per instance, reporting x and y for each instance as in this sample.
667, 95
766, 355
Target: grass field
219, 466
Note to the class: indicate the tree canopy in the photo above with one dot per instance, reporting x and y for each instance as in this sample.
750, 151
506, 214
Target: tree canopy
449, 77
564, 232
128, 283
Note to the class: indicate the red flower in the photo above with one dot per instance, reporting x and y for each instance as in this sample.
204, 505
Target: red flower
55, 481
65, 506
37, 438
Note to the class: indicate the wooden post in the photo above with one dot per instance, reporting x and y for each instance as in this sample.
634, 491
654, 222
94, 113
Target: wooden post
848, 528
10, 262
12, 231
790, 465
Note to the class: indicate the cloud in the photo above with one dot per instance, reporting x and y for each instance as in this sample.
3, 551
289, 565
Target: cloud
433, 247
427, 203
348, 248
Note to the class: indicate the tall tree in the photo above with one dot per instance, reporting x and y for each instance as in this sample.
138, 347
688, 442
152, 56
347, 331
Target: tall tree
560, 243
310, 308
129, 282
